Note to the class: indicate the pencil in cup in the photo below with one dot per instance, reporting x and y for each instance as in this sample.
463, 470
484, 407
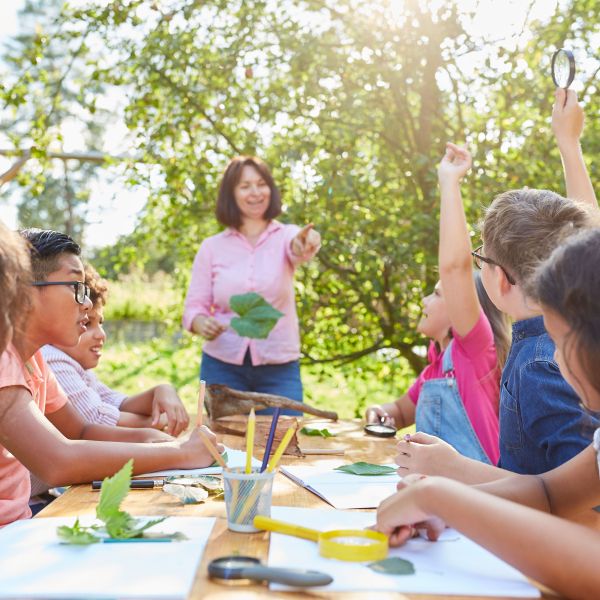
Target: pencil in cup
247, 495
249, 507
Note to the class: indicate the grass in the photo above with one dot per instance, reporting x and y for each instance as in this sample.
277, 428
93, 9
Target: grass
348, 389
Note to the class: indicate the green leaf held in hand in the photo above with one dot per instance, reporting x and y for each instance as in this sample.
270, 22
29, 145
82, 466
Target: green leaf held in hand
316, 432
393, 566
363, 468
256, 316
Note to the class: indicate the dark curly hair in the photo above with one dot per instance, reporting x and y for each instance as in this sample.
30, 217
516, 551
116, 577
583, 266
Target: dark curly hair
98, 286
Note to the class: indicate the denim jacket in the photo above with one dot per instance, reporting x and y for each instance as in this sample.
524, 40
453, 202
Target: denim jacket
542, 423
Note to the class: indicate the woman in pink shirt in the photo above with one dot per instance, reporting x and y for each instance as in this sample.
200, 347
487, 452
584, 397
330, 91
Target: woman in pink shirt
456, 396
255, 253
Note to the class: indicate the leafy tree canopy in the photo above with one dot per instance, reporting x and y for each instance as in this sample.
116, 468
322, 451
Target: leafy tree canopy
349, 102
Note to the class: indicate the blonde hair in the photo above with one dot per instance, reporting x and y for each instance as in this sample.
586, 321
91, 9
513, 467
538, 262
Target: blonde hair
521, 228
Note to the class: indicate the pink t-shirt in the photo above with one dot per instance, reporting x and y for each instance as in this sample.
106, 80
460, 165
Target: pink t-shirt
36, 377
477, 378
227, 264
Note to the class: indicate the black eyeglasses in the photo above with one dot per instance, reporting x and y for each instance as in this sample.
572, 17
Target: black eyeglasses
81, 290
479, 259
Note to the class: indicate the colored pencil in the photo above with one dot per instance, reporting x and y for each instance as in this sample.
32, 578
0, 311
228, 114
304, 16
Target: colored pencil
281, 448
201, 393
270, 439
250, 440
213, 451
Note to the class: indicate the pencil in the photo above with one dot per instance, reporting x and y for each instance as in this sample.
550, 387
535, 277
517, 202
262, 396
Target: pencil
201, 393
270, 439
250, 440
281, 448
213, 451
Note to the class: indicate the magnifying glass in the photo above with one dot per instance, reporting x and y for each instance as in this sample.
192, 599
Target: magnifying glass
380, 430
563, 68
356, 545
237, 568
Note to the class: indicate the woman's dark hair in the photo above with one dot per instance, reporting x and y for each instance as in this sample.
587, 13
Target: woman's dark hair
499, 321
227, 210
568, 283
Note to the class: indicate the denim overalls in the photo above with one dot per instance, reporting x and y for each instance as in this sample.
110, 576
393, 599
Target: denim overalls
441, 412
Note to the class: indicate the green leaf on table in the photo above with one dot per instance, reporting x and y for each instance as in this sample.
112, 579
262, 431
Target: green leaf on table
393, 565
363, 468
78, 535
316, 432
117, 523
256, 316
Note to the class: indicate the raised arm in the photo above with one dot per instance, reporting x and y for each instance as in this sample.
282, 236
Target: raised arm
567, 124
455, 263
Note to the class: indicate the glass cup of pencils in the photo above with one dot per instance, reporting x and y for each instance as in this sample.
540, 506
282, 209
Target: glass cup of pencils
247, 495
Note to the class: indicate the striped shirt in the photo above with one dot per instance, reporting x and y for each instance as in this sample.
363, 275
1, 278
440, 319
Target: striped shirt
96, 402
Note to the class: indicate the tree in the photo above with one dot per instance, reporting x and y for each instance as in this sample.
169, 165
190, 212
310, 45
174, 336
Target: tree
351, 103
47, 73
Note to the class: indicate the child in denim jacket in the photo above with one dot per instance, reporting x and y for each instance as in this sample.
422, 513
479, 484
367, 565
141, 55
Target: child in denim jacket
525, 519
541, 422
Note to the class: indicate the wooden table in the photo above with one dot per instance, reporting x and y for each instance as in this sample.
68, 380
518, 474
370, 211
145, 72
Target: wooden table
80, 500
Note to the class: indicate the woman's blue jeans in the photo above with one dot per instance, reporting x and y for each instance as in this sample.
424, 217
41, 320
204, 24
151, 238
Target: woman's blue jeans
281, 380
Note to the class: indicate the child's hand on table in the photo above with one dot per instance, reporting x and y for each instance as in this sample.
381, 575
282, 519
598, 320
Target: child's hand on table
402, 515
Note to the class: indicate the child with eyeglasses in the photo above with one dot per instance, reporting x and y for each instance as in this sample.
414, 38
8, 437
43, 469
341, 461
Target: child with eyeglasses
523, 518
159, 407
40, 431
456, 396
542, 424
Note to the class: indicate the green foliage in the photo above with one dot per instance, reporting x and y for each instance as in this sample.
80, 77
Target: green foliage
368, 469
118, 524
350, 102
256, 316
140, 297
313, 431
393, 565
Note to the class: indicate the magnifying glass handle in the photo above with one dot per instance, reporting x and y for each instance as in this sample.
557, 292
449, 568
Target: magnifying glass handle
295, 577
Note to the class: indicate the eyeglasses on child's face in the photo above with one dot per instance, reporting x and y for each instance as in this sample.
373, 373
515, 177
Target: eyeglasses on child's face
81, 289
480, 259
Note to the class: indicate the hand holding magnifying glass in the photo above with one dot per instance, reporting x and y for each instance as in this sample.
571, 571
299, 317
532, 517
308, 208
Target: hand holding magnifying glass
563, 68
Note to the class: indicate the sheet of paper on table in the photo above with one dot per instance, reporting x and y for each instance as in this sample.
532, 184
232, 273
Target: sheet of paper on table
34, 564
452, 566
342, 490
235, 458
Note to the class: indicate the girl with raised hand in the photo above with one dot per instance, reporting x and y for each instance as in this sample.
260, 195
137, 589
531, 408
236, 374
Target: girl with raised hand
456, 396
567, 287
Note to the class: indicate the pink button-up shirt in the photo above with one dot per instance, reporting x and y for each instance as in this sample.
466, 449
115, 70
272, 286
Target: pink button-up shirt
227, 264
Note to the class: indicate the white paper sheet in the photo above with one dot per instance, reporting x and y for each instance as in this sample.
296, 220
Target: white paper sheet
456, 566
33, 564
235, 458
343, 490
